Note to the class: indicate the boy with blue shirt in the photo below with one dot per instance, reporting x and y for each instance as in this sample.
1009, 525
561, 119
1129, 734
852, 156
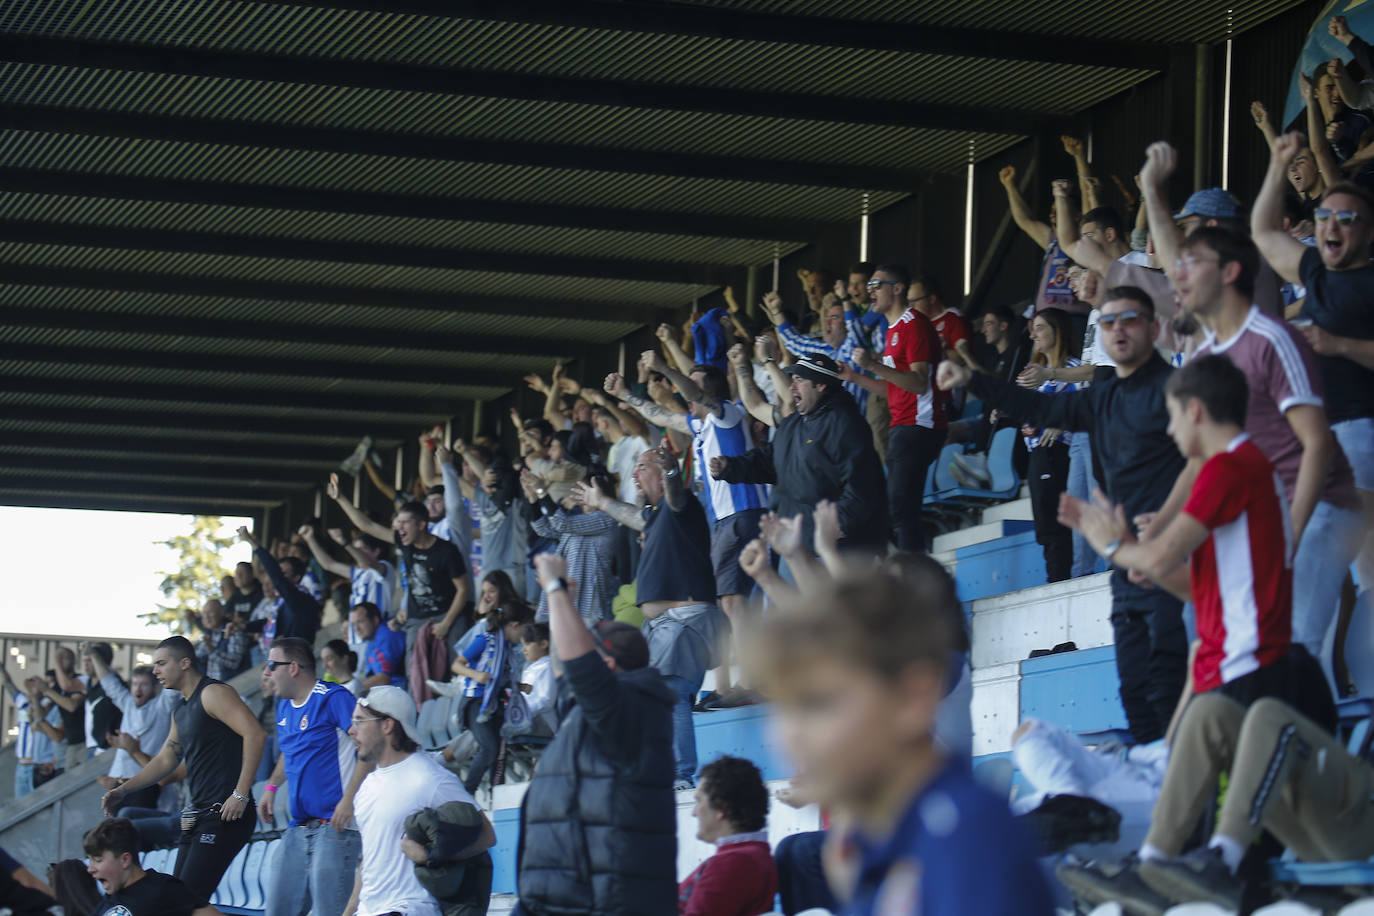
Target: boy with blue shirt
384, 657
319, 764
857, 690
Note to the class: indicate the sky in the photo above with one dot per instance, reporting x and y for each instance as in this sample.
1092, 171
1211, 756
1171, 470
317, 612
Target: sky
77, 572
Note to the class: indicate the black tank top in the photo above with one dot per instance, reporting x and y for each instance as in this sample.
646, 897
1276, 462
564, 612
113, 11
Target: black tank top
212, 750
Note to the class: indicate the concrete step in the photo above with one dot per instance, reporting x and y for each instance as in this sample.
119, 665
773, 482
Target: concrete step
1005, 628
977, 534
1015, 510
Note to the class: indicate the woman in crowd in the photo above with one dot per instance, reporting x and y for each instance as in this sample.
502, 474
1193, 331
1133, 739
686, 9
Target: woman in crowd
341, 665
1047, 473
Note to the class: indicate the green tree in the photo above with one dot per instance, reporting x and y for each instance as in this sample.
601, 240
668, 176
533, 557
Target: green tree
199, 571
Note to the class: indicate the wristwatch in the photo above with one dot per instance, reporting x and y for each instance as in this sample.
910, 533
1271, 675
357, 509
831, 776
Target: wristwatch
671, 473
557, 585
1110, 550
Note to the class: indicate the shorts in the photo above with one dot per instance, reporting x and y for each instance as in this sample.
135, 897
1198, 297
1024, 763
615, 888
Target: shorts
1357, 441
727, 540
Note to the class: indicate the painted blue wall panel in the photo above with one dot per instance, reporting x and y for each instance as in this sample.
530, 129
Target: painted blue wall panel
996, 567
1078, 691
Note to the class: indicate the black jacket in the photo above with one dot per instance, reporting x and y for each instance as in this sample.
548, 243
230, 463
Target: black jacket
826, 454
598, 826
1129, 425
299, 614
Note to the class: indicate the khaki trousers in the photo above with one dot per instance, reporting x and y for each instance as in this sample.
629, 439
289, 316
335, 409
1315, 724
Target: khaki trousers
1287, 776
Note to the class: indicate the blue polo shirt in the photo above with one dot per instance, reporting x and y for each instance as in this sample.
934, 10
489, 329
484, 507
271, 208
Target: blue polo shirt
386, 654
320, 756
955, 852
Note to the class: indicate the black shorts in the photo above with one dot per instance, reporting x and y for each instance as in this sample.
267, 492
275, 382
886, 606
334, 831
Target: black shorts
727, 540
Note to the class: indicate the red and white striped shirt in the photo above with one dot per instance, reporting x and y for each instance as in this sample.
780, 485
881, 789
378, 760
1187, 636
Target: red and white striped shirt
1242, 575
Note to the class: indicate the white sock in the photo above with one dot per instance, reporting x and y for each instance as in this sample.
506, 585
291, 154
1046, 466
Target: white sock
1149, 853
1231, 851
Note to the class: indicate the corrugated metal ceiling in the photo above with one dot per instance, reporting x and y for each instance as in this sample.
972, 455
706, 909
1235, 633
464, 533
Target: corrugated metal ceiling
126, 377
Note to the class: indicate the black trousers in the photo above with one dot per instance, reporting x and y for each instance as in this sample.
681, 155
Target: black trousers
1048, 476
206, 851
1151, 660
910, 452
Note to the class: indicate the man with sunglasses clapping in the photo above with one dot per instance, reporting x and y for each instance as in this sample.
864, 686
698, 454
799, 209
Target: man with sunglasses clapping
1127, 417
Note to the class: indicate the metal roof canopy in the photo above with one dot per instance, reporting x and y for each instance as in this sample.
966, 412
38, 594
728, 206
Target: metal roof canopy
236, 236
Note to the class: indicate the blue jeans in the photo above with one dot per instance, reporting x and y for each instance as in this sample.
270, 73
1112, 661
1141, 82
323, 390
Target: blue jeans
156, 829
315, 870
684, 735
23, 779
1081, 485
1329, 545
1357, 441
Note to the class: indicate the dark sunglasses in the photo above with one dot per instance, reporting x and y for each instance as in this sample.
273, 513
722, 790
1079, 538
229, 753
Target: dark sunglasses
1127, 319
872, 285
272, 664
1344, 217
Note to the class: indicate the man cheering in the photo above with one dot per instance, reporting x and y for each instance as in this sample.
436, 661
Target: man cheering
221, 742
322, 774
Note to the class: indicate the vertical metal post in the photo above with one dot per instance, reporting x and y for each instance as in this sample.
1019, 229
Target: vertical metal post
476, 417
777, 264
1202, 117
400, 470
751, 292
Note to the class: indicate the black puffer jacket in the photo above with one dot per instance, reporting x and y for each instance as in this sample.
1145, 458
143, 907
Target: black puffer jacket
598, 827
825, 454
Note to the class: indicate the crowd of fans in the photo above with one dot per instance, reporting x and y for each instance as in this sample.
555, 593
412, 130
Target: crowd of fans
1190, 396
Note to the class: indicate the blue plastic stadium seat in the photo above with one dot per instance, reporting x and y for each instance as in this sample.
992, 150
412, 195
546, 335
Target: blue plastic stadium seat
432, 712
506, 822
1004, 485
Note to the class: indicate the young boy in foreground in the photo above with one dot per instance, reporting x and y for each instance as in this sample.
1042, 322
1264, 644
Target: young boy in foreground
857, 672
112, 846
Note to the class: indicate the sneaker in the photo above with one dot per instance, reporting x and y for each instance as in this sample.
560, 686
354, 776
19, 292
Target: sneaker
974, 464
353, 464
711, 697
1100, 882
1199, 875
964, 478
683, 785
732, 700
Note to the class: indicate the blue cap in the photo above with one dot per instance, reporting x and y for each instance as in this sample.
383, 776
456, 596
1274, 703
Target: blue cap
1211, 203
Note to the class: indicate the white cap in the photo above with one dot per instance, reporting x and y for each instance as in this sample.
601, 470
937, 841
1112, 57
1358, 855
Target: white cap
396, 703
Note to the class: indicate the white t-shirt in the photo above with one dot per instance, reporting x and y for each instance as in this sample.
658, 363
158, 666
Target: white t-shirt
385, 799
539, 675
621, 462
1093, 352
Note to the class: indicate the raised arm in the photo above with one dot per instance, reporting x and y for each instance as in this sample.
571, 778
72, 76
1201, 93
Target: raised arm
766, 350
356, 515
668, 337
1160, 161
1263, 124
589, 495
382, 486
317, 550
749, 393
689, 389
1038, 231
1087, 185
1085, 251
616, 387
1282, 251
429, 474
1316, 135
570, 636
553, 400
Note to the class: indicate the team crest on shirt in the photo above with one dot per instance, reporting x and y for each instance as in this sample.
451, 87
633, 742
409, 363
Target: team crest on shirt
900, 894
893, 340
118, 910
305, 720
